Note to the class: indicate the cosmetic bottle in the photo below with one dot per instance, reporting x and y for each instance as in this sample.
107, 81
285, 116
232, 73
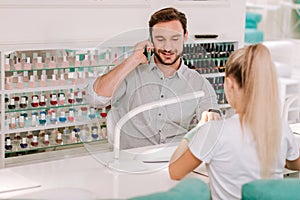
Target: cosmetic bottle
23, 143
17, 136
12, 123
103, 123
27, 65
29, 135
42, 101
21, 122
86, 61
15, 77
8, 145
42, 119
53, 118
92, 113
24, 114
32, 82
65, 62
39, 64
33, 120
7, 66
11, 61
84, 134
20, 83
73, 137
107, 56
34, 59
53, 81
79, 98
71, 99
17, 65
25, 76
43, 81
77, 61
23, 102
35, 102
34, 142
66, 131
62, 118
61, 99
11, 104
58, 139
53, 100
71, 115
23, 60
52, 63
94, 130
62, 80
79, 115
9, 83
71, 58
46, 140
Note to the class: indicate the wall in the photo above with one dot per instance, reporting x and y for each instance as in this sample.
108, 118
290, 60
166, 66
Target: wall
79, 21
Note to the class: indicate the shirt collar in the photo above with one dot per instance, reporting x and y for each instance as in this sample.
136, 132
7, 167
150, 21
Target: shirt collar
179, 71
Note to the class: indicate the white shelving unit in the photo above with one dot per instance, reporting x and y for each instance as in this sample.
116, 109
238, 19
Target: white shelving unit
291, 23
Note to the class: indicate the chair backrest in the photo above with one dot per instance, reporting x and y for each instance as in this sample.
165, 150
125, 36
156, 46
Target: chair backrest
274, 189
291, 101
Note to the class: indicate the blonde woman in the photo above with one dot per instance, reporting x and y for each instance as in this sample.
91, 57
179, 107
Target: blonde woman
252, 144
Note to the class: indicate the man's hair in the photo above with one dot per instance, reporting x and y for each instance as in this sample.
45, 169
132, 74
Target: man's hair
166, 15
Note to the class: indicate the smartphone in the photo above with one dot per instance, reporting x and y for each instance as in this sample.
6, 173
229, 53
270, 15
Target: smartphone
148, 54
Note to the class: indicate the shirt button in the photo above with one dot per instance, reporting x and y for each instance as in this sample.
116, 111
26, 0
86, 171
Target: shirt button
159, 131
161, 78
161, 96
159, 114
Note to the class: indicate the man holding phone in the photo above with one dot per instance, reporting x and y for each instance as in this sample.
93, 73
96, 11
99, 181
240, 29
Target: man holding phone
143, 78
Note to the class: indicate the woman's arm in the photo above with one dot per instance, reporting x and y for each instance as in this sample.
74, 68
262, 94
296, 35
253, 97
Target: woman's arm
182, 161
293, 164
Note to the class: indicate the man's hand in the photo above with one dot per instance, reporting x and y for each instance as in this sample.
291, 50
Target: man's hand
139, 48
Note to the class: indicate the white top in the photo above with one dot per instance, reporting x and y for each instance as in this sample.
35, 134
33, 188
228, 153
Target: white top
230, 155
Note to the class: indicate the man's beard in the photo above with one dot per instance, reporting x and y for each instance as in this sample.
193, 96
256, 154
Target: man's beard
161, 60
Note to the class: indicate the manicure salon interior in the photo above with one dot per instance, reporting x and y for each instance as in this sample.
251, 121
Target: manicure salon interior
54, 145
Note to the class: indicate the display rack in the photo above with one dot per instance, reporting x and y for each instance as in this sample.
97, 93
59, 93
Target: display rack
208, 57
43, 100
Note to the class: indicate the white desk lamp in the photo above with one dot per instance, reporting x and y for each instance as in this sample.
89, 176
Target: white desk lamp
143, 108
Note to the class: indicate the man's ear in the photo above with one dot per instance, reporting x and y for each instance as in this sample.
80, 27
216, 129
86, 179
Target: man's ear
229, 83
186, 36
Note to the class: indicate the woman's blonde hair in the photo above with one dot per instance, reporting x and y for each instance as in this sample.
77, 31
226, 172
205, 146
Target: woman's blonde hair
253, 70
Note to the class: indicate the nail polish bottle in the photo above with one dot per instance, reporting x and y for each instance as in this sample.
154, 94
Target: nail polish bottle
32, 82
35, 74
11, 104
77, 61
39, 64
62, 118
20, 84
33, 120
21, 122
52, 63
79, 115
96, 58
11, 61
92, 113
35, 102
53, 100
12, 123
42, 119
53, 81
62, 80
53, 118
17, 64
84, 134
29, 135
43, 81
42, 100
73, 137
41, 133
71, 115
59, 139
34, 142
9, 83
24, 114
15, 77
8, 145
61, 99
71, 99
23, 59
107, 56
79, 98
27, 65
95, 133
16, 98
92, 59
7, 66
46, 140
23, 102
66, 131
86, 61
65, 62
23, 143
34, 59
71, 58
17, 136
25, 76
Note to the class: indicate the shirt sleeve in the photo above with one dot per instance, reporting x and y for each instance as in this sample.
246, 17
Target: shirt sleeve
205, 140
293, 148
92, 97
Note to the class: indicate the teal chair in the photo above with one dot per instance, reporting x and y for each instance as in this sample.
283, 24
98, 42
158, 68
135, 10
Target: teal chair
188, 188
252, 34
272, 189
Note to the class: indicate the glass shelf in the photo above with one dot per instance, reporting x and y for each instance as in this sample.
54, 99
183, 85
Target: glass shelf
47, 107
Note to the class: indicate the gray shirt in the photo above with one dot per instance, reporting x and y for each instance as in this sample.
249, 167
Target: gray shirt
146, 84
